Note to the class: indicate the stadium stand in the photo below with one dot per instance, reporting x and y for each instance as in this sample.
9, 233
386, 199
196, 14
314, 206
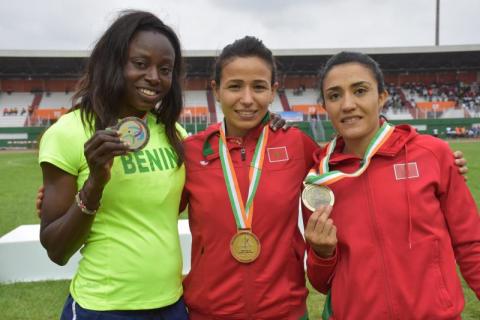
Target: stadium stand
276, 105
212, 109
12, 121
56, 100
195, 107
283, 99
299, 97
195, 98
16, 99
14, 108
425, 83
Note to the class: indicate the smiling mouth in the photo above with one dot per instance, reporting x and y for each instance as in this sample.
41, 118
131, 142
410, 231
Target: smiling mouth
246, 114
350, 120
148, 93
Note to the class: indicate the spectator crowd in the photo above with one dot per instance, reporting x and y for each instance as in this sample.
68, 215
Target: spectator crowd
13, 111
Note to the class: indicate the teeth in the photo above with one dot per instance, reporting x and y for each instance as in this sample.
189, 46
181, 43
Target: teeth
147, 92
350, 120
245, 113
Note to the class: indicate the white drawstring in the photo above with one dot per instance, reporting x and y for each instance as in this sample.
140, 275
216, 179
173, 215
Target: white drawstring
74, 311
407, 175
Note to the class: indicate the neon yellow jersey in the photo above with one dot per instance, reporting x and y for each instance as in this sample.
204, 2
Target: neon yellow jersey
131, 259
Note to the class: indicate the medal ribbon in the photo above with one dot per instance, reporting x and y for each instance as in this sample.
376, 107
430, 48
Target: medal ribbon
326, 177
243, 213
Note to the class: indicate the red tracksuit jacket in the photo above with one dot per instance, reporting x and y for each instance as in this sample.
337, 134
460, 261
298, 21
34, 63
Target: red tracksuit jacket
273, 286
399, 233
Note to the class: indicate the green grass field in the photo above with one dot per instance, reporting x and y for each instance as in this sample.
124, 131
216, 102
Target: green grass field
20, 179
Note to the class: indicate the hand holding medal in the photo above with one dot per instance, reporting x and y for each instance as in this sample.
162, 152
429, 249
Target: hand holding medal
133, 131
321, 233
130, 134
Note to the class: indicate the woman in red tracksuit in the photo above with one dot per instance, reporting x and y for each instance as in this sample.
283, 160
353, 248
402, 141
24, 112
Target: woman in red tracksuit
402, 219
229, 280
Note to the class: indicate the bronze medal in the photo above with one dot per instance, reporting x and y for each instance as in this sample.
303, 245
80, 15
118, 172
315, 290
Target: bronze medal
313, 196
134, 131
245, 246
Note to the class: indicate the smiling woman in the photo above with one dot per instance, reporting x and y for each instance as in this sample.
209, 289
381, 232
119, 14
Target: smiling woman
118, 207
242, 189
148, 72
245, 93
354, 103
403, 216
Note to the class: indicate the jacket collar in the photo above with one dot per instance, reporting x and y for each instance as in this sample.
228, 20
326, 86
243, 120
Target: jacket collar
395, 143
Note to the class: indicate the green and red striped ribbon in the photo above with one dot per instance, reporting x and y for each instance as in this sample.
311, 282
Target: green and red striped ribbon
325, 176
243, 213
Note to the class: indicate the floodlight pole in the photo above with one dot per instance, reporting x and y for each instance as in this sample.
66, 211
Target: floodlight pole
437, 25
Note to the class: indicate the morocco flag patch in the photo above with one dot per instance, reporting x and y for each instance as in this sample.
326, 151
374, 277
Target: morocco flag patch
277, 154
406, 170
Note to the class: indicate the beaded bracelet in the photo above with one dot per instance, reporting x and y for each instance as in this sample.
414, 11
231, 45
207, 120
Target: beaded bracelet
83, 207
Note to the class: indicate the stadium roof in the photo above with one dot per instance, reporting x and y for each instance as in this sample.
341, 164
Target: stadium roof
70, 64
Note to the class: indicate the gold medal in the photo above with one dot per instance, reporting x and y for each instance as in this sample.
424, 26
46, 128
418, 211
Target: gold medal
313, 196
134, 131
245, 246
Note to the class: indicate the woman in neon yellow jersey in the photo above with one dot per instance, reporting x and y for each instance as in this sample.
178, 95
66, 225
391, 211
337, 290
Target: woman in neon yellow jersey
131, 258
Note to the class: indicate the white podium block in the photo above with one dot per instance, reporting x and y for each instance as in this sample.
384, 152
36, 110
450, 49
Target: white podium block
22, 257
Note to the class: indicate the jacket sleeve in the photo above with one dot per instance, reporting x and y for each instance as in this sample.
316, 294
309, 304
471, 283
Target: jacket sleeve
463, 220
320, 271
184, 200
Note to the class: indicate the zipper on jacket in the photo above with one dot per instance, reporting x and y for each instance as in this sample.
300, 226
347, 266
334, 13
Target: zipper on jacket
243, 154
380, 245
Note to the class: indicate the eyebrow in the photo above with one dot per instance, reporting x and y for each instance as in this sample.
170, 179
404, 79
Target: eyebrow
261, 81
241, 80
359, 83
233, 81
353, 85
145, 54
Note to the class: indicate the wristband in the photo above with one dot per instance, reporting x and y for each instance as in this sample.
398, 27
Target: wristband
83, 207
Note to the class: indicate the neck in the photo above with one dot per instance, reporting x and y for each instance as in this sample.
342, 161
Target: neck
139, 114
235, 133
131, 112
359, 146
